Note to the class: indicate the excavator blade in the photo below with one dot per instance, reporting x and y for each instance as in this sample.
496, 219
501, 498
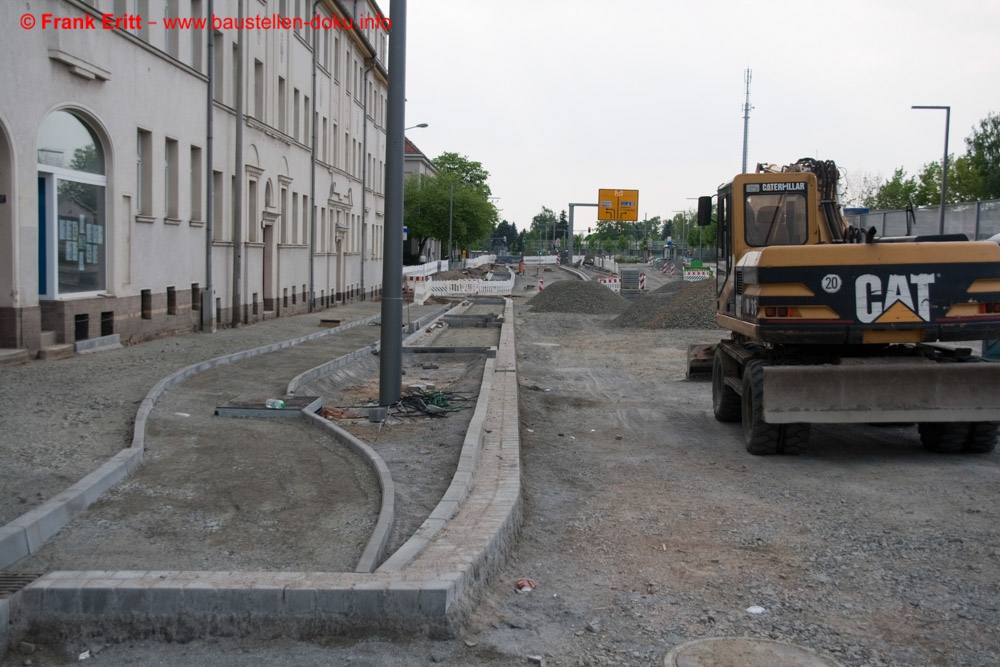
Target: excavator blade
699, 360
881, 390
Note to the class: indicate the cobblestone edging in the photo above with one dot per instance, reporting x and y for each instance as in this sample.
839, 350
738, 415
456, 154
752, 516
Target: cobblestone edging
428, 595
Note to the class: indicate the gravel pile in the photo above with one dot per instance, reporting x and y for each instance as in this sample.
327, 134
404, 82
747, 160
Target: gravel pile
676, 305
574, 296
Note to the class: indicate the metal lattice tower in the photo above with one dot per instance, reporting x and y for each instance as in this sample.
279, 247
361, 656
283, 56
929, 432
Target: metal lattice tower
746, 118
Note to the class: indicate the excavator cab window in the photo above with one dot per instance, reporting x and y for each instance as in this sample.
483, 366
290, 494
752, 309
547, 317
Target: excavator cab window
775, 219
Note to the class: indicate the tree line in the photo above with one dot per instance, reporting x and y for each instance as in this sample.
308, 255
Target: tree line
973, 176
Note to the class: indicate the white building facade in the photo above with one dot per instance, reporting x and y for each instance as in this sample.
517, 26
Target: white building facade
105, 215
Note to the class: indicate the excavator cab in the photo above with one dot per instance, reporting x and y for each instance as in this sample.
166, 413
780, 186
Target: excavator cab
828, 323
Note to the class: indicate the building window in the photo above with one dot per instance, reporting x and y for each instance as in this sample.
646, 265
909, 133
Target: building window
72, 215
258, 90
144, 173
325, 144
282, 104
284, 216
307, 113
172, 37
219, 73
253, 219
197, 37
236, 75
196, 210
171, 176
218, 226
336, 58
336, 139
295, 218
295, 114
306, 220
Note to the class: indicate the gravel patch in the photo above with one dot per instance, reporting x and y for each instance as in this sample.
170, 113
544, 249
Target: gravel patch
575, 296
676, 305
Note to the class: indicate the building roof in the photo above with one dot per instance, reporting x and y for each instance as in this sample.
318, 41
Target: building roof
410, 148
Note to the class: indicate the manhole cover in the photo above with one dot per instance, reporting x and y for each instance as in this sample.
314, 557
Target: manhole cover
744, 652
12, 582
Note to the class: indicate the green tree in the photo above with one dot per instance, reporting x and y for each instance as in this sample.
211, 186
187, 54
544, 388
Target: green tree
507, 232
964, 181
542, 224
462, 170
562, 225
894, 193
983, 150
428, 200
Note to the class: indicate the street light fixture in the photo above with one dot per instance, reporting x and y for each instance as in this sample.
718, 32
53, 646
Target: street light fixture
414, 126
944, 162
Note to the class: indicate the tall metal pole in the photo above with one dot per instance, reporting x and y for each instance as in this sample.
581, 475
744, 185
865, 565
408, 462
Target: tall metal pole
364, 176
312, 174
451, 217
746, 119
391, 354
944, 168
208, 294
944, 162
237, 315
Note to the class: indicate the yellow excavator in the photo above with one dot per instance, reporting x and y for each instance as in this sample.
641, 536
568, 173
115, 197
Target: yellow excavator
831, 324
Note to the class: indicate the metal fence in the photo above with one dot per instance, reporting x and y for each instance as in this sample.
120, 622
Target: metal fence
977, 220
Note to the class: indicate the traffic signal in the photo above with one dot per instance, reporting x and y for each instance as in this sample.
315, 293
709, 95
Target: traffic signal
588, 230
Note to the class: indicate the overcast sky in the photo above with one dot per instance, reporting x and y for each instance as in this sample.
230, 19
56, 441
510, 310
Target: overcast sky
557, 98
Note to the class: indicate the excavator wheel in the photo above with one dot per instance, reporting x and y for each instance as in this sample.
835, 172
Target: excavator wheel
793, 438
982, 437
944, 437
725, 401
759, 437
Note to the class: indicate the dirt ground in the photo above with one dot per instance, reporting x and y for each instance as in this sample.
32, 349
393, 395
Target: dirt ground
647, 525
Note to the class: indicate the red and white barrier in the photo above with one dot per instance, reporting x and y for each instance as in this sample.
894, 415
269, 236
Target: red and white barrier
642, 281
691, 275
614, 283
673, 270
541, 285
420, 286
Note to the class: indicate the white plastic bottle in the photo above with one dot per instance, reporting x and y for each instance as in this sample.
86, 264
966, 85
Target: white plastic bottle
274, 403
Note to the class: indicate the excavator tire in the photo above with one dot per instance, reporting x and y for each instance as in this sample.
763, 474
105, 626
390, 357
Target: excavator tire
982, 437
944, 437
759, 437
793, 438
726, 403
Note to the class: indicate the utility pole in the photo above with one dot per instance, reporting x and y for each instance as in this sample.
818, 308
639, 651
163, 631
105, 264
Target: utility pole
391, 353
208, 294
237, 314
746, 118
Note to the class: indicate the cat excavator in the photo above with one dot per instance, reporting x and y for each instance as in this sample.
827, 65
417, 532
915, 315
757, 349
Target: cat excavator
830, 323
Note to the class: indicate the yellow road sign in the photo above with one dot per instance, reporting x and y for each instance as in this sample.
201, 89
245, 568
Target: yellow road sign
618, 204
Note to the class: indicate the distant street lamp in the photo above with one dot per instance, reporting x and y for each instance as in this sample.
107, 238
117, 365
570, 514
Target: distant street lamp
414, 126
944, 162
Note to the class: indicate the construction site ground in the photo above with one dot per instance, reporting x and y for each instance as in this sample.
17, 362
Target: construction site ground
646, 524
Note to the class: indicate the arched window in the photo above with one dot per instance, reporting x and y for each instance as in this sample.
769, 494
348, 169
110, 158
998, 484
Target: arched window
71, 207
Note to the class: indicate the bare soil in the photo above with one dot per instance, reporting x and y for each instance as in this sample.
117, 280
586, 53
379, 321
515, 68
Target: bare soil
647, 525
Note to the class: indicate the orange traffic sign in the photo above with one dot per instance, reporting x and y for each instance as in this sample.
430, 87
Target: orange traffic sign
614, 204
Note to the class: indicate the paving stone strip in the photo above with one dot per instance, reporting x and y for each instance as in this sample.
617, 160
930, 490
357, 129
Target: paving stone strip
428, 595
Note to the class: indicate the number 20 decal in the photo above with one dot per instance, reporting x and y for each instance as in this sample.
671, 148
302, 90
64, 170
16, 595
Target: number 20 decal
831, 283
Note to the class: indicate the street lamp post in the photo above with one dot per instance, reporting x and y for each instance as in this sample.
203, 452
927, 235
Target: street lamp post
944, 162
451, 213
414, 126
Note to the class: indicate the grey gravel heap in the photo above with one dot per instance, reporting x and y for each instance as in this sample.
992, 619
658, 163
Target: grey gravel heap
572, 296
676, 305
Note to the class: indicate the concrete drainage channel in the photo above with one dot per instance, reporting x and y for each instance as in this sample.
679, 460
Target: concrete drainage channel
426, 587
